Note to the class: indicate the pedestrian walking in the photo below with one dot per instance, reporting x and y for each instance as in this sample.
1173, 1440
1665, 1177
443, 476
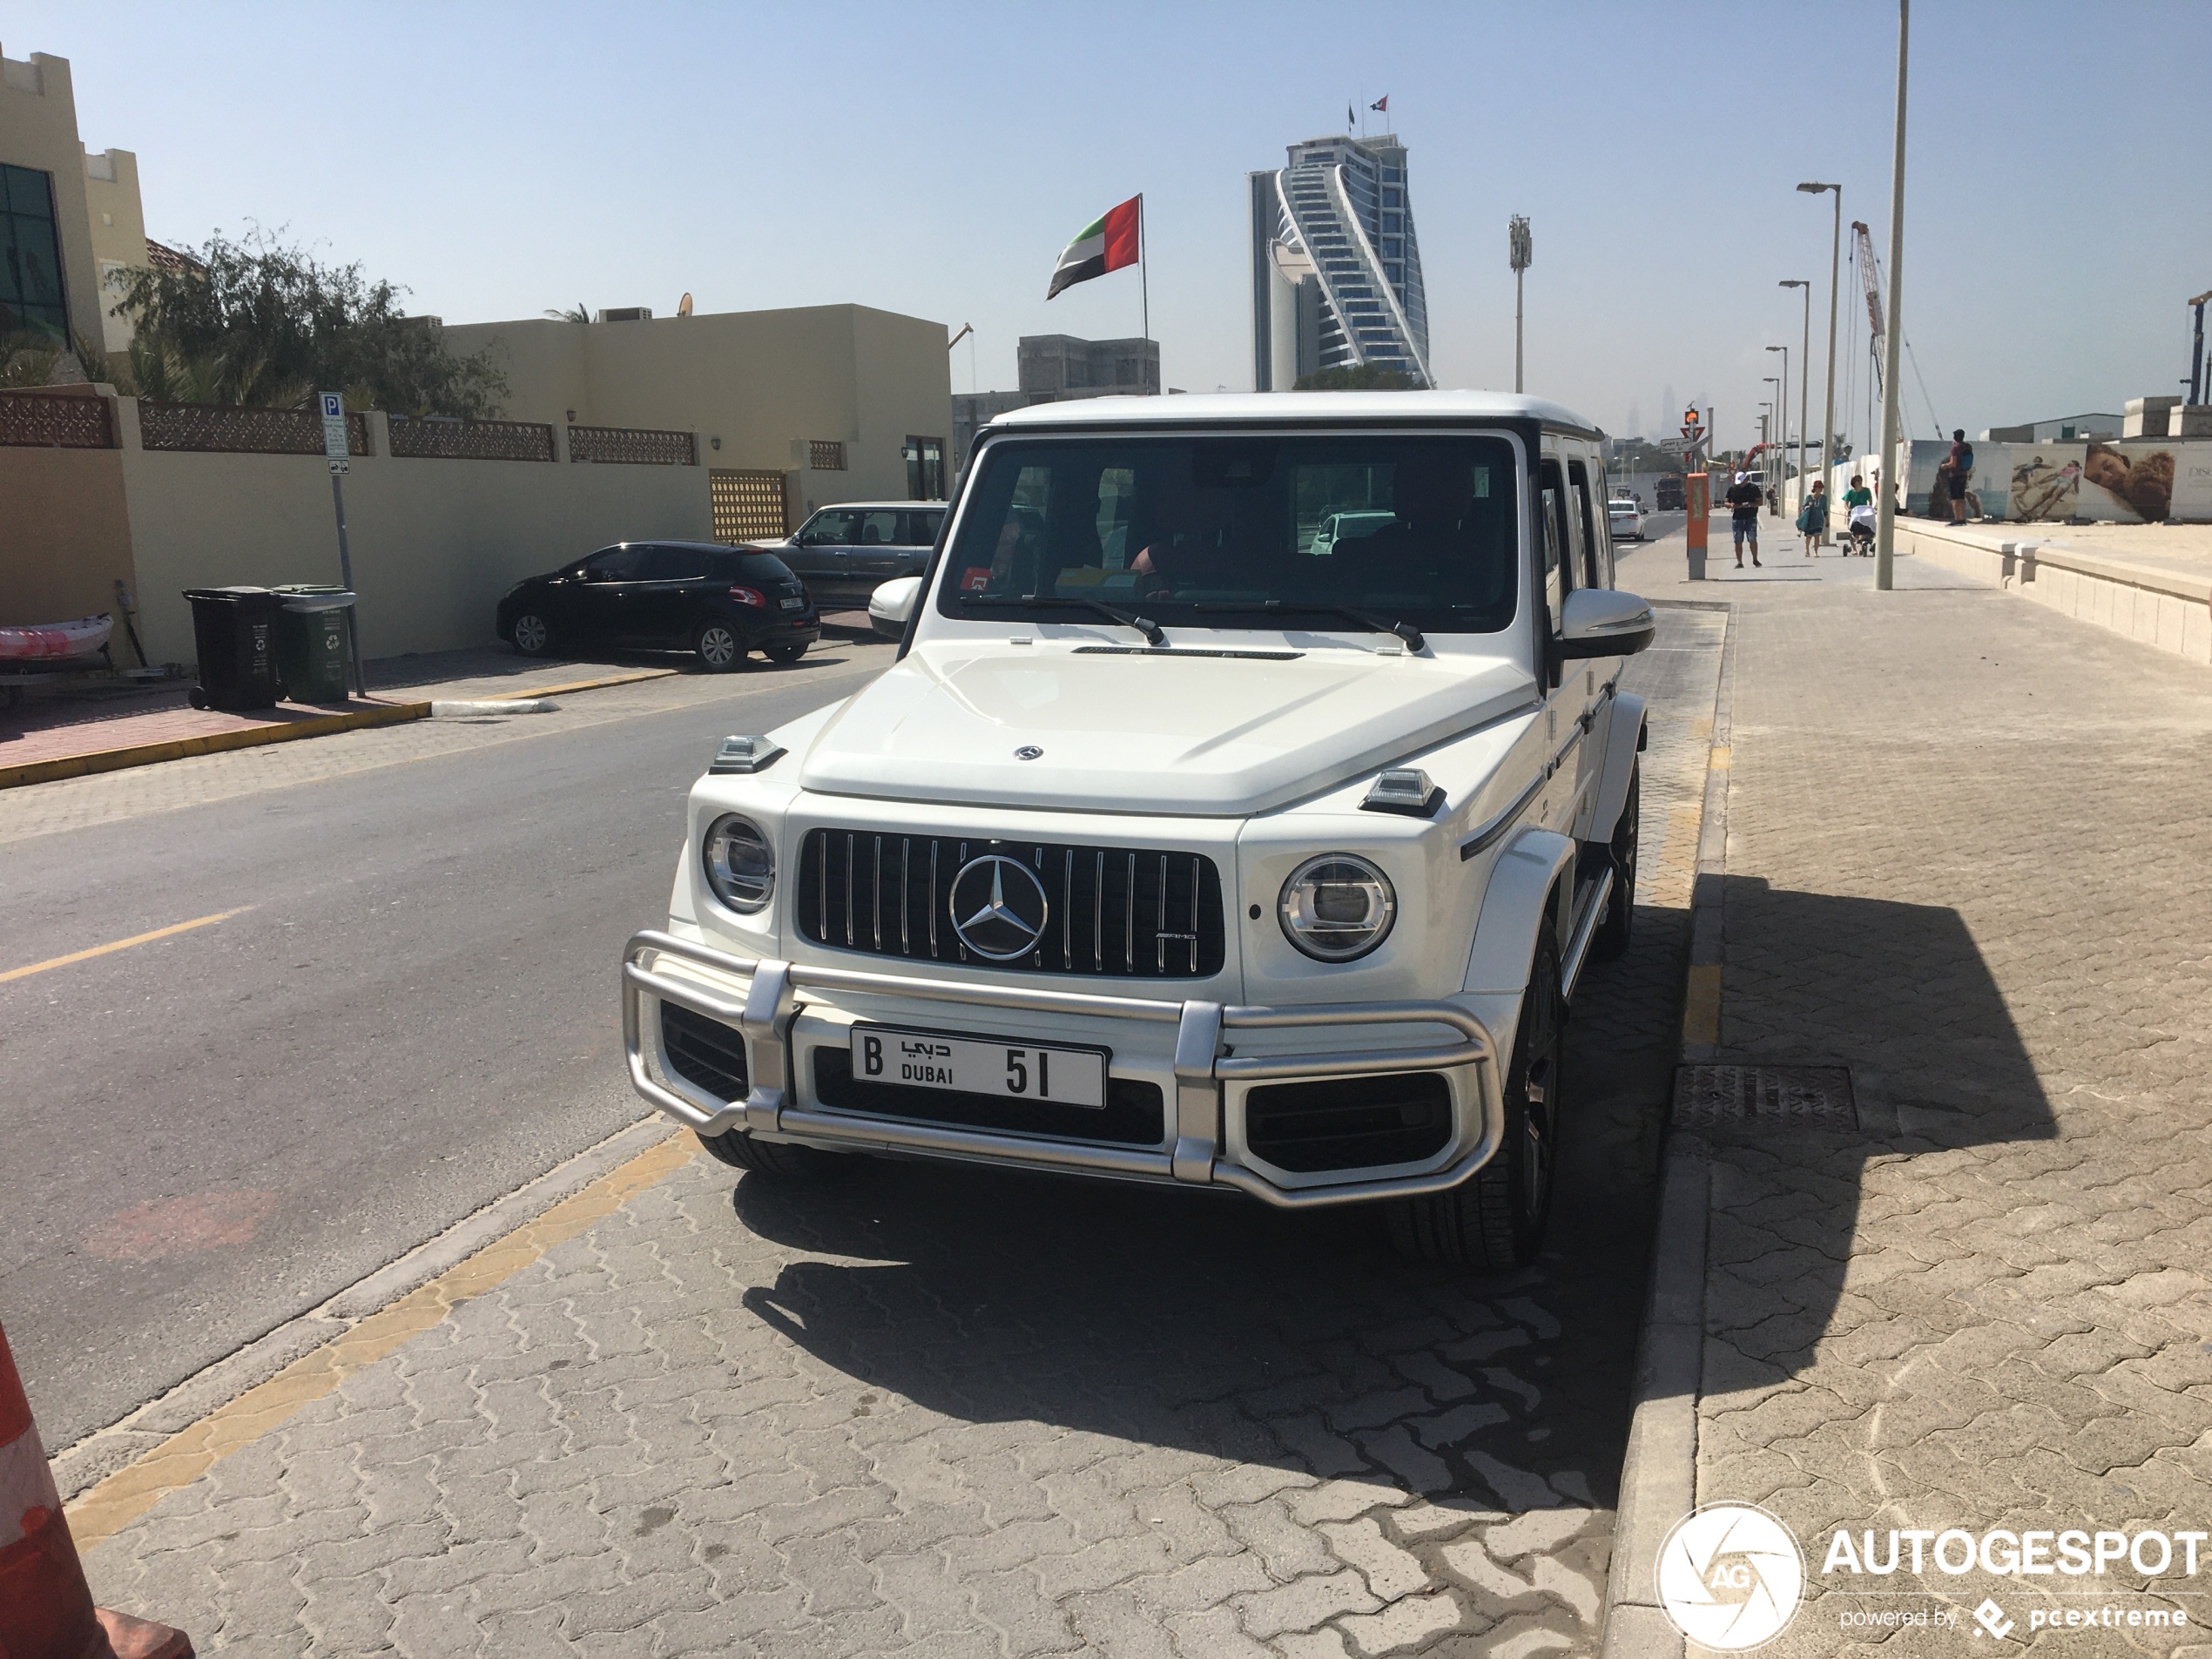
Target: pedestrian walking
1957, 473
1859, 517
1812, 517
1742, 499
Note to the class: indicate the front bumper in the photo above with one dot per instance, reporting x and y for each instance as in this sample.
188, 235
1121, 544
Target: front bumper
1194, 1150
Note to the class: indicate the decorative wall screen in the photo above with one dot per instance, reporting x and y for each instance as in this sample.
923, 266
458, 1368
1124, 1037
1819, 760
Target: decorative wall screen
51, 421
748, 506
471, 440
640, 445
236, 429
825, 455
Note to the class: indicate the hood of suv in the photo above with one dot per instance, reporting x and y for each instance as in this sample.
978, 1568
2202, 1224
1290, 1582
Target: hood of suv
1147, 733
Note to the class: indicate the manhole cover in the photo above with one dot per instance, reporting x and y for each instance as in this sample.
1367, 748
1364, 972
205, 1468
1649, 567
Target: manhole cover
1763, 1097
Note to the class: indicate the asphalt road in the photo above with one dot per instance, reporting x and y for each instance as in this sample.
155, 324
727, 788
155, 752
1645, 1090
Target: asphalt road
210, 1133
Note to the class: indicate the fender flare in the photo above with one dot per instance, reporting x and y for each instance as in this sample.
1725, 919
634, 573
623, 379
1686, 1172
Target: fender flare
1530, 884
1623, 738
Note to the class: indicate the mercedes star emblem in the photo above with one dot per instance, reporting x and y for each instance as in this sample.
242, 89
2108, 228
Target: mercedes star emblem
1027, 751
998, 907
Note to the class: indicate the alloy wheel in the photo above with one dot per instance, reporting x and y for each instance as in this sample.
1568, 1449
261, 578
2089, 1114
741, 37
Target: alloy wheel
718, 647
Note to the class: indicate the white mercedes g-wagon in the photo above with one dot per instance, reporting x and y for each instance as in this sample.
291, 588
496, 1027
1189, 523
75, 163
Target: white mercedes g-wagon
1185, 843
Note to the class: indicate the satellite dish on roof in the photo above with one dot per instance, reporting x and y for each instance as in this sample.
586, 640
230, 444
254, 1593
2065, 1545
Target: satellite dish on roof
683, 306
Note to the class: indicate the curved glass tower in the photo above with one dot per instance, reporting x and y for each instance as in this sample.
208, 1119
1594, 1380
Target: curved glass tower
1336, 268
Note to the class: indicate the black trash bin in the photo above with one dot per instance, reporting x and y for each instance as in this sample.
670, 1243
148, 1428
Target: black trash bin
234, 630
310, 643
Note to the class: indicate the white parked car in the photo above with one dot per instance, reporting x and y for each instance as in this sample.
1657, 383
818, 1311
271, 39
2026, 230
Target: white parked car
1220, 863
1346, 527
1624, 518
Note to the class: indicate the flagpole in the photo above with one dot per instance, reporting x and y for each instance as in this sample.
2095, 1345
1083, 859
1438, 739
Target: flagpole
1143, 278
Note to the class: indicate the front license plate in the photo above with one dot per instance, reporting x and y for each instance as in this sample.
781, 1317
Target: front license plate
974, 1066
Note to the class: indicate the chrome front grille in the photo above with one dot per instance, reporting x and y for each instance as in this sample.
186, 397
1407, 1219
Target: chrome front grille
1110, 912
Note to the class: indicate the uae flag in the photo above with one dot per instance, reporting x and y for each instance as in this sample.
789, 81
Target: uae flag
1104, 245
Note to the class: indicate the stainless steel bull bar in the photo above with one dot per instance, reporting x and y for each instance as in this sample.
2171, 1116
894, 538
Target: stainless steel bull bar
775, 990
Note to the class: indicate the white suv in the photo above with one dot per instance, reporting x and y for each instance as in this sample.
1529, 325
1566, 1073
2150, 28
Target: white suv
1242, 860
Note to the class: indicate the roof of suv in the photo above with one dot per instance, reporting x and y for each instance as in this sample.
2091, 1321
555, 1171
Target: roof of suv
880, 507
1272, 408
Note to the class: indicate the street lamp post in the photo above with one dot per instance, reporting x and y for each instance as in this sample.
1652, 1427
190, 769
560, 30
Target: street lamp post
1835, 268
1521, 252
1885, 511
1804, 380
1782, 420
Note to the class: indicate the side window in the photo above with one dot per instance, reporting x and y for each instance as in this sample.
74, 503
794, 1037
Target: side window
613, 564
1592, 573
830, 528
878, 529
672, 564
1558, 542
922, 528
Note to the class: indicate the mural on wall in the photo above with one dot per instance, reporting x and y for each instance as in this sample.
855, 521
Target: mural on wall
2047, 482
2128, 486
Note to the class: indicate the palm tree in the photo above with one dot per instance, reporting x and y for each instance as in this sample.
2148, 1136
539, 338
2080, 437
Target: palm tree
578, 314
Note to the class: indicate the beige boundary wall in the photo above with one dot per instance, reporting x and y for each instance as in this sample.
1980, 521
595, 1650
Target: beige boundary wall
2171, 609
435, 542
755, 386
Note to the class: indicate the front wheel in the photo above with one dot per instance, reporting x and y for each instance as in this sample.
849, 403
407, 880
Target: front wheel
1612, 938
531, 634
1495, 1221
778, 1159
790, 651
719, 648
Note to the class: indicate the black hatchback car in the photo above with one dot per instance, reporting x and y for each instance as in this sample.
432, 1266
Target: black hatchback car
701, 596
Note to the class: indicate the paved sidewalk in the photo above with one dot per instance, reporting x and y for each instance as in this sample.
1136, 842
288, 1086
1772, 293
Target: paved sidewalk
927, 1410
1966, 859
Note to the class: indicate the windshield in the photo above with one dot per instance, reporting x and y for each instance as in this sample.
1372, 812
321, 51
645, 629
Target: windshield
1239, 532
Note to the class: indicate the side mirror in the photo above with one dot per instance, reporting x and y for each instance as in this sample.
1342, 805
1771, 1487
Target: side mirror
1601, 621
891, 606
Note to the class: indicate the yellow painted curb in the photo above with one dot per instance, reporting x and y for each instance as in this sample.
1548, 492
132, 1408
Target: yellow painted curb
1722, 758
630, 678
1700, 1005
147, 754
183, 1457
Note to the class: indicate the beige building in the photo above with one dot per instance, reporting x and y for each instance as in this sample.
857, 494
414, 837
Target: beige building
839, 402
73, 217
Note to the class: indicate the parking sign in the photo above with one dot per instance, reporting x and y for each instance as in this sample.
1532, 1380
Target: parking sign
334, 430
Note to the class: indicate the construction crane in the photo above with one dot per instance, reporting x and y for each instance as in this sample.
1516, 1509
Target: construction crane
1871, 280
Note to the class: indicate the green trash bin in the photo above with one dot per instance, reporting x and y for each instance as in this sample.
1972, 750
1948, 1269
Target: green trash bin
310, 643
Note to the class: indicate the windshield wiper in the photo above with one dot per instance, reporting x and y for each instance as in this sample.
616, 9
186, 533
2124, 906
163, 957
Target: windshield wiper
1414, 637
1144, 626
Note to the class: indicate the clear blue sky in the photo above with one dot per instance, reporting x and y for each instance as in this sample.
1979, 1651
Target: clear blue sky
933, 159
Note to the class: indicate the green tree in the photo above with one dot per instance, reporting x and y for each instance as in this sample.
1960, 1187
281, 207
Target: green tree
269, 324
1361, 377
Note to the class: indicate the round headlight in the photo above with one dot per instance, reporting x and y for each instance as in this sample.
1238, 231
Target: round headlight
740, 864
1337, 907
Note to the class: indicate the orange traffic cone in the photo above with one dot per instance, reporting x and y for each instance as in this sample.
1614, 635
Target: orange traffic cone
46, 1610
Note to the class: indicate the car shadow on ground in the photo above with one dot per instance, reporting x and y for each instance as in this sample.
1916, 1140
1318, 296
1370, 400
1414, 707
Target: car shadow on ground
1212, 1323
1901, 995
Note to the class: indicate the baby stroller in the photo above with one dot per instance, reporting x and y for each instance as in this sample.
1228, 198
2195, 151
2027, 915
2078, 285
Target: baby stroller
1862, 531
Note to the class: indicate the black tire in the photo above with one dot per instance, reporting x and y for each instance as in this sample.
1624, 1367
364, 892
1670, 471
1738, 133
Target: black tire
1495, 1221
790, 651
778, 1159
531, 634
1612, 937
718, 647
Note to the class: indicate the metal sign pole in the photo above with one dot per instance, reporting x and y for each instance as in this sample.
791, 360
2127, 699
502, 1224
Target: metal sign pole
334, 449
